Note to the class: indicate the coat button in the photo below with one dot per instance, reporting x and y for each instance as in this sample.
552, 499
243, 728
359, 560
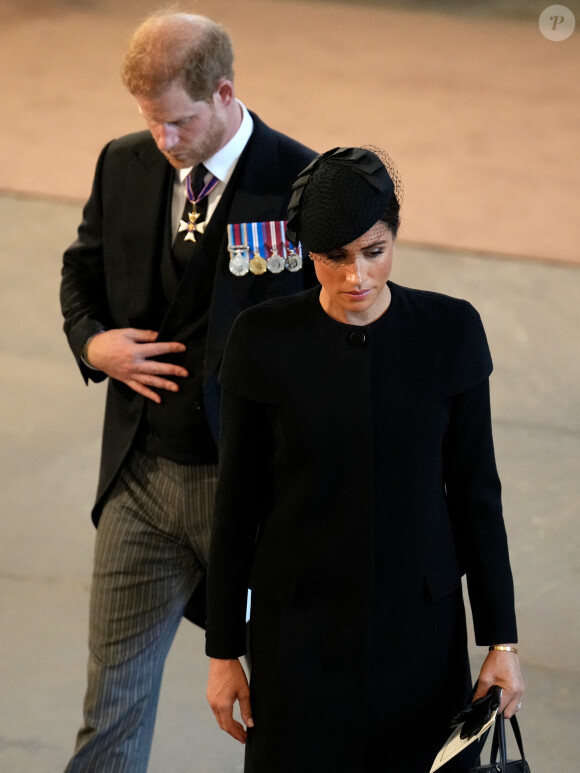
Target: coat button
196, 406
357, 338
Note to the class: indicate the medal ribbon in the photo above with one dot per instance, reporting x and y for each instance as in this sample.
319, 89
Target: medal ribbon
257, 240
237, 237
205, 191
274, 226
285, 243
232, 241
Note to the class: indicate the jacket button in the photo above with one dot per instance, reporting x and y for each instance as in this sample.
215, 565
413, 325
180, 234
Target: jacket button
357, 338
196, 406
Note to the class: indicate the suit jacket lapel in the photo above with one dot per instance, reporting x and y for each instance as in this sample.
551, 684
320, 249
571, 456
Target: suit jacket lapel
256, 169
145, 233
259, 174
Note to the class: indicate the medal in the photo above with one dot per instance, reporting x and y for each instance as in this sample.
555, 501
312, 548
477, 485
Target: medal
239, 264
238, 249
193, 227
275, 261
292, 256
266, 242
257, 265
293, 260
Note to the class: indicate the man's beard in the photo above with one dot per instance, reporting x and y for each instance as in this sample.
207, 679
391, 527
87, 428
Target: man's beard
182, 157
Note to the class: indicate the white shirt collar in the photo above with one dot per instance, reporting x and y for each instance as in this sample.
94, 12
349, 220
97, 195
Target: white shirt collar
222, 163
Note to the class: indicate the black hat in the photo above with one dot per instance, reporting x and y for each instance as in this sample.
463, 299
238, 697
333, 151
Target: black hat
338, 197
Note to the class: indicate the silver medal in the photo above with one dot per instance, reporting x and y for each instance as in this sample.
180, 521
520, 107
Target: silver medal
239, 252
293, 261
275, 263
239, 263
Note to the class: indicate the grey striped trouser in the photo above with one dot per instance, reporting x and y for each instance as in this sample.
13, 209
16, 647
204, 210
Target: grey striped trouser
150, 554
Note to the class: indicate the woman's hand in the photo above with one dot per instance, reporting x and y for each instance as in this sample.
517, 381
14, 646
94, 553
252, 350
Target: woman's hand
502, 668
227, 683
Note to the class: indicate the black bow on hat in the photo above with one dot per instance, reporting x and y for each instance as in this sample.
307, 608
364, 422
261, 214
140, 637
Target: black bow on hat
337, 198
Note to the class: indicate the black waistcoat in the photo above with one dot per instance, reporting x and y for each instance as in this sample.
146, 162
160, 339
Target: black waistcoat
177, 429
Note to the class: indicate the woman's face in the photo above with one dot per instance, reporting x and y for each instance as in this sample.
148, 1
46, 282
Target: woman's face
354, 277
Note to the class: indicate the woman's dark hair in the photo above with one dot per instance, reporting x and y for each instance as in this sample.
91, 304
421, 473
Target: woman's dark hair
391, 215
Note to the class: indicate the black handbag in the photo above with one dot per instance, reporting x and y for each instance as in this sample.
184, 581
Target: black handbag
498, 745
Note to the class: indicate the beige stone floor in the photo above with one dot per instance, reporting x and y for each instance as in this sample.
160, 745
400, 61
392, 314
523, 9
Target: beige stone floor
480, 112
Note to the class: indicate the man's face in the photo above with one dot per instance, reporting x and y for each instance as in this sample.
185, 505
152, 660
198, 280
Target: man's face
186, 132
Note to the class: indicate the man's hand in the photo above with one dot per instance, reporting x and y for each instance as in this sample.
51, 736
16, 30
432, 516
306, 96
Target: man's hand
227, 683
503, 669
124, 354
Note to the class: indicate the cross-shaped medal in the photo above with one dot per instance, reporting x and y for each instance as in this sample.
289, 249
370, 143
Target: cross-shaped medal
192, 227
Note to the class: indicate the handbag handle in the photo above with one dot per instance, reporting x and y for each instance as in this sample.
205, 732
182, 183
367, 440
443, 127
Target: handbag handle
499, 742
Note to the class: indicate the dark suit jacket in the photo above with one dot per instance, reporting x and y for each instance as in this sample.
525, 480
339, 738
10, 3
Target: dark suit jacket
357, 484
111, 273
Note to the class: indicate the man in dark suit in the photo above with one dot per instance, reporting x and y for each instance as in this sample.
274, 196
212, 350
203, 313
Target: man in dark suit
182, 231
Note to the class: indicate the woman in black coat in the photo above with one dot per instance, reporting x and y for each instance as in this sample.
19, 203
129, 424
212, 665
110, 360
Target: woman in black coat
357, 485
